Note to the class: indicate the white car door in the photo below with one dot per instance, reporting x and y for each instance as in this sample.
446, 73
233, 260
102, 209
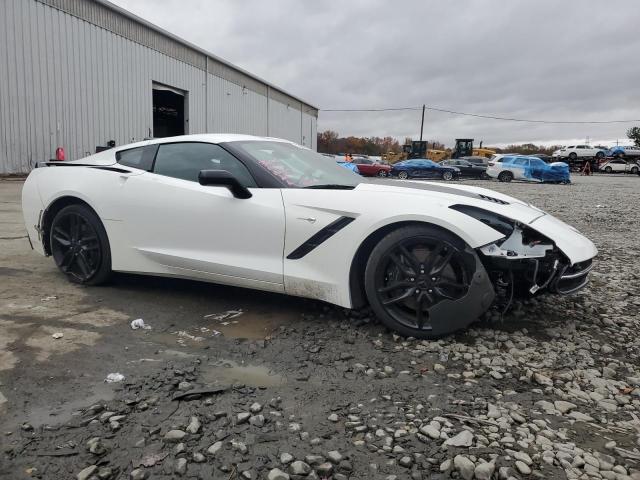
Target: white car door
204, 231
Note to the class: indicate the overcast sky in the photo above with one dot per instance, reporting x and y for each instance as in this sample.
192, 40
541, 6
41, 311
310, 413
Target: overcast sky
537, 59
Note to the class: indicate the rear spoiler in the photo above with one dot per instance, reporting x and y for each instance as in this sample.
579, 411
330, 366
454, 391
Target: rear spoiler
59, 163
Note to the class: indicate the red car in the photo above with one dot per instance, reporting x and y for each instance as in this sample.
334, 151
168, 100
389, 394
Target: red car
369, 168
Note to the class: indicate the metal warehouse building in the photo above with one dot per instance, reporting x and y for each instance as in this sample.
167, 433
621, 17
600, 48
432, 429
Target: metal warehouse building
78, 74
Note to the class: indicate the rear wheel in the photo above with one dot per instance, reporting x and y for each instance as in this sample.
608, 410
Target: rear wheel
573, 156
608, 169
634, 170
599, 155
447, 175
403, 175
505, 176
382, 173
410, 272
79, 245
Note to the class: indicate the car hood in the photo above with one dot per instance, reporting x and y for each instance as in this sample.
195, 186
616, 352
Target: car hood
574, 245
451, 194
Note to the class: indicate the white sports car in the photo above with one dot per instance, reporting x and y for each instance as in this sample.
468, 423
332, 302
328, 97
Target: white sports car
265, 213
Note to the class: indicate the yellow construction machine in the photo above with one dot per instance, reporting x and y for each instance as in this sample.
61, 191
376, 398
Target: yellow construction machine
464, 148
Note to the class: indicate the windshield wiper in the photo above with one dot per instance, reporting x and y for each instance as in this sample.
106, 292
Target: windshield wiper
332, 186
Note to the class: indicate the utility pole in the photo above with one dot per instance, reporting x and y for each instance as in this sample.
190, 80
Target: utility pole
422, 124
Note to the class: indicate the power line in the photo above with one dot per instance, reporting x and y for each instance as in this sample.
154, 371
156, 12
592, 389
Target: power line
477, 115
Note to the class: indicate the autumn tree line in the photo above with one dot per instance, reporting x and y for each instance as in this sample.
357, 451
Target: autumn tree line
331, 142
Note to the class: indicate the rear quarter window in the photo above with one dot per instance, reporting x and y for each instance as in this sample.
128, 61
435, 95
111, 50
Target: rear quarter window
136, 158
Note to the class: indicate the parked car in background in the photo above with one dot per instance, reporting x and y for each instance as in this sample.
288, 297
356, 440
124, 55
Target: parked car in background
530, 169
467, 169
573, 152
421, 168
371, 168
339, 159
349, 166
619, 165
624, 151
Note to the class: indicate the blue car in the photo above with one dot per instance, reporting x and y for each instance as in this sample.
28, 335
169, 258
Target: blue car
421, 168
529, 169
349, 166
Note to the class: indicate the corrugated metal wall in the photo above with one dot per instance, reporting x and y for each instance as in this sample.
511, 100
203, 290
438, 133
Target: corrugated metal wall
66, 82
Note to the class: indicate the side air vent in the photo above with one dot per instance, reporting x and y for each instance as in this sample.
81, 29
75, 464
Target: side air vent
491, 199
320, 237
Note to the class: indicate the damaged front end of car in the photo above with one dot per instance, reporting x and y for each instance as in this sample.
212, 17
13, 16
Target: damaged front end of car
525, 263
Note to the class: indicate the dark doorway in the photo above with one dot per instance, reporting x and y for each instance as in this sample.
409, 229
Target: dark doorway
168, 112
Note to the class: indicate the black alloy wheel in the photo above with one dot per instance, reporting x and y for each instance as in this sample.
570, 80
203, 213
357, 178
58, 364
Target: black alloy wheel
79, 245
410, 272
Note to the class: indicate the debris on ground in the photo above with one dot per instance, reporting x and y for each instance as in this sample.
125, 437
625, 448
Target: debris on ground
114, 378
57, 335
228, 315
138, 323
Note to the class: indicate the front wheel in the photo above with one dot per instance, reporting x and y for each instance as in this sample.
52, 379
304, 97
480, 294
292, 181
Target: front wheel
608, 169
382, 173
416, 276
403, 175
80, 246
634, 170
599, 155
447, 175
573, 156
505, 176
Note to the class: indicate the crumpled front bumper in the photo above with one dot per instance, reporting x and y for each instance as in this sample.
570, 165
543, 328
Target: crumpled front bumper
570, 279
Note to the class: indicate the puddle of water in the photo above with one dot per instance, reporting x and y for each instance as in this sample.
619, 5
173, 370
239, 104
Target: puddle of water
228, 372
53, 415
253, 326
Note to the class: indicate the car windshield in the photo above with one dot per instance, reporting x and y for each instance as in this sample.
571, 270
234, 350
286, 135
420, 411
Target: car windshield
299, 167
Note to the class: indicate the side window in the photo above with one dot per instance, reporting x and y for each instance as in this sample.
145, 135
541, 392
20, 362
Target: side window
185, 160
136, 157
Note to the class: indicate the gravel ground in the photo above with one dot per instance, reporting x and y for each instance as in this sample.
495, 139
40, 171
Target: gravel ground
294, 389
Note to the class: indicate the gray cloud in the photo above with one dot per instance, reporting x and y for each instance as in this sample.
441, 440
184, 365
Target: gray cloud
542, 59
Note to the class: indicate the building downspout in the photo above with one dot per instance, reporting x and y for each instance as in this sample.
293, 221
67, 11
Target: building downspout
268, 103
206, 94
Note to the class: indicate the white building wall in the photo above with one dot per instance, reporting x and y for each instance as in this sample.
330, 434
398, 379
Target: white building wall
67, 82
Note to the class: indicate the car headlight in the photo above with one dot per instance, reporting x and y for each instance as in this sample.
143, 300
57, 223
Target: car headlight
493, 220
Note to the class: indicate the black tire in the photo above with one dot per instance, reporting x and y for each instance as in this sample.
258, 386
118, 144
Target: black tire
447, 176
620, 155
505, 176
80, 246
399, 291
382, 173
403, 175
608, 169
634, 170
573, 156
599, 155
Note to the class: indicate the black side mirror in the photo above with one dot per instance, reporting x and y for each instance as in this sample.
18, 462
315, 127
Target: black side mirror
222, 178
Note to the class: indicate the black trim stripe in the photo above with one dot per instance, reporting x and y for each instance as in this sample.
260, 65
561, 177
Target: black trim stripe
88, 165
320, 237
